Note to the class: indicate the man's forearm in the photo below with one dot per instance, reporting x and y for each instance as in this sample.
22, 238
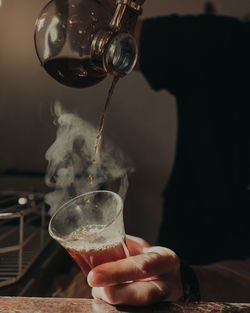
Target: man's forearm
226, 281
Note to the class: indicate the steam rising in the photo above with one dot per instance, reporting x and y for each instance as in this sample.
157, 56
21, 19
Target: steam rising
70, 161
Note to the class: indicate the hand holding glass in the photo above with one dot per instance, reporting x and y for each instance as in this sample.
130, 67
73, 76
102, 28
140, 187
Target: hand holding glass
90, 227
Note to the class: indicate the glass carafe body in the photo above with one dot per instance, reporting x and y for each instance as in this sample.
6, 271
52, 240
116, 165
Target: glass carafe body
79, 42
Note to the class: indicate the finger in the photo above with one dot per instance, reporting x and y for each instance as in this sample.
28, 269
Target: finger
136, 293
136, 244
156, 261
137, 241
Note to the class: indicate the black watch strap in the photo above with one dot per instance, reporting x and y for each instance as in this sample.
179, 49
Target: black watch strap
190, 284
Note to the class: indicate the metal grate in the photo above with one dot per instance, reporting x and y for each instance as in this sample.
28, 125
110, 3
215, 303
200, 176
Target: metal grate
23, 233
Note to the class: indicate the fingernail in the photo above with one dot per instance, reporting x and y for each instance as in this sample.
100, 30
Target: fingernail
102, 294
90, 278
99, 293
96, 293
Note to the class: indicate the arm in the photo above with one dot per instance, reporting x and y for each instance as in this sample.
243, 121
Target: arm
225, 281
178, 52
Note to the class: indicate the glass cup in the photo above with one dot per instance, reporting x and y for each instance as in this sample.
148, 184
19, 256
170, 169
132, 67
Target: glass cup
90, 227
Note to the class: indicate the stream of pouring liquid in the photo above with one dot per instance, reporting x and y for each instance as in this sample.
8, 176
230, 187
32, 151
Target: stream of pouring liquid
99, 135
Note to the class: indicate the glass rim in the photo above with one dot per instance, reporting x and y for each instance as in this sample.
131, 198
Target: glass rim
59, 239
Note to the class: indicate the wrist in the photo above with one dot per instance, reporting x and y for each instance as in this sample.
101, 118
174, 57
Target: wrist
190, 284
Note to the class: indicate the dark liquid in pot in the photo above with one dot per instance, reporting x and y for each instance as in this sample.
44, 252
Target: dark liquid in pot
77, 73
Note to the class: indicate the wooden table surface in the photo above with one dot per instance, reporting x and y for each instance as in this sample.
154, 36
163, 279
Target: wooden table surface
60, 305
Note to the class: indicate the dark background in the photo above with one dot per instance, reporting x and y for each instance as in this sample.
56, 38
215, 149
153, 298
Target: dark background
141, 122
